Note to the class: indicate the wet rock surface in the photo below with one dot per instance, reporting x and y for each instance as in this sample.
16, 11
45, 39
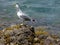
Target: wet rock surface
21, 34
16, 34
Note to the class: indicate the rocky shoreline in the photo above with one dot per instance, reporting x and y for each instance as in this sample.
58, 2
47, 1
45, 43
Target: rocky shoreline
21, 34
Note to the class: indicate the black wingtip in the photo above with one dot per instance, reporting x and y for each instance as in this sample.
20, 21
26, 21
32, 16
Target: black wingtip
33, 20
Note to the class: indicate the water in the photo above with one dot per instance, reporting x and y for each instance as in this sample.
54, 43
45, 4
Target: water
46, 12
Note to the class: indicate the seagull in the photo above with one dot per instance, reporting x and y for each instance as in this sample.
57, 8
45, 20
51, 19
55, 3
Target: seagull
22, 15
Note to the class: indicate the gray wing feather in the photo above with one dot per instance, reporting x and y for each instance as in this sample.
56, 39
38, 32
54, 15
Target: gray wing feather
26, 18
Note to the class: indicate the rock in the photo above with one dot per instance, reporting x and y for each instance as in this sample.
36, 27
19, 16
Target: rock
42, 36
22, 35
25, 35
1, 28
35, 39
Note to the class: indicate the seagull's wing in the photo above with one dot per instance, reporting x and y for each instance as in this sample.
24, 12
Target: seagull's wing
26, 18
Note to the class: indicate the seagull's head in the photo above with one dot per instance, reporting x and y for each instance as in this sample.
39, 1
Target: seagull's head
17, 5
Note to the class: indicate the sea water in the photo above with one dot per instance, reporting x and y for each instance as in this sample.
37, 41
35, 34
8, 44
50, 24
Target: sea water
46, 12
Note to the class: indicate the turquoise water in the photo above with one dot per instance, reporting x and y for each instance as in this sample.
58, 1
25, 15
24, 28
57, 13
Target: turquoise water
46, 12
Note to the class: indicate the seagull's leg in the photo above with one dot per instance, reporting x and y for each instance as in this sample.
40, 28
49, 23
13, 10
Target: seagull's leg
23, 21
